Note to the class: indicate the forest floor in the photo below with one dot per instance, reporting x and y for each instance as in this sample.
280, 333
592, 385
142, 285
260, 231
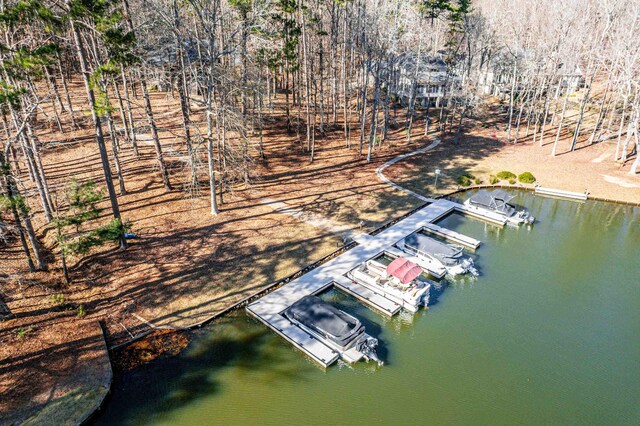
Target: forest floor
590, 167
188, 265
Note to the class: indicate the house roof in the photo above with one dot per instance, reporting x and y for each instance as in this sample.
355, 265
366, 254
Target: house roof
431, 69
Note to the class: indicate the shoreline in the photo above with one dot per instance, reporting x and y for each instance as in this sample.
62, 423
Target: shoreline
279, 283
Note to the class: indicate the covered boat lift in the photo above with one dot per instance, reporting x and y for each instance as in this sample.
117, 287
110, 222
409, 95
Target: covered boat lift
423, 244
449, 255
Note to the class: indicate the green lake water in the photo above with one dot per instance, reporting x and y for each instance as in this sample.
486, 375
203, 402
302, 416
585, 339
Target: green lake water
548, 334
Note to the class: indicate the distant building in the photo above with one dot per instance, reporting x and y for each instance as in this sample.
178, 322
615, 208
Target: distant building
430, 79
497, 81
571, 78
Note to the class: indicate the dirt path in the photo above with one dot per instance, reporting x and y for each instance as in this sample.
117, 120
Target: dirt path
382, 177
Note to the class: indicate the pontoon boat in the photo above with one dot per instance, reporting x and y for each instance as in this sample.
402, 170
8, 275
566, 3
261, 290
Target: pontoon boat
450, 256
497, 201
400, 282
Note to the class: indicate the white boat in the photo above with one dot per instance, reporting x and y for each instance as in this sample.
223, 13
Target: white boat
497, 202
450, 256
400, 282
335, 328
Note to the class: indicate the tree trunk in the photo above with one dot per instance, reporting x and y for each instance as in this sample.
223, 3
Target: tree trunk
546, 114
511, 97
7, 184
562, 114
212, 172
98, 129
186, 122
54, 89
114, 144
154, 135
622, 117
374, 112
363, 109
582, 107
132, 123
66, 93
123, 119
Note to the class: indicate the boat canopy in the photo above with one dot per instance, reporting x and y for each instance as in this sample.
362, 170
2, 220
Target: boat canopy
326, 319
404, 270
495, 200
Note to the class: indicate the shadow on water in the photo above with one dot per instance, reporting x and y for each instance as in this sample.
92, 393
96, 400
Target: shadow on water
436, 290
165, 385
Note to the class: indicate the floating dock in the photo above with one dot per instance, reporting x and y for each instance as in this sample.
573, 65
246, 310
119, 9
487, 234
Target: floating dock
269, 308
559, 193
452, 236
369, 297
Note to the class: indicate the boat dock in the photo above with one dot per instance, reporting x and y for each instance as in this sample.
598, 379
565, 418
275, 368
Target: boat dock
559, 193
269, 308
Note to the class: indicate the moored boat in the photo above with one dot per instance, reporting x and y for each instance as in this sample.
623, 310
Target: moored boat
333, 327
401, 281
450, 256
497, 201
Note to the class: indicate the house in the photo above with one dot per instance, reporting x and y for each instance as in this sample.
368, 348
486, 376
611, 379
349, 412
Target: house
498, 79
430, 77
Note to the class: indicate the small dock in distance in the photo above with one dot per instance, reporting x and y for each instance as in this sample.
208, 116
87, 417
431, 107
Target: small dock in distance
269, 308
559, 193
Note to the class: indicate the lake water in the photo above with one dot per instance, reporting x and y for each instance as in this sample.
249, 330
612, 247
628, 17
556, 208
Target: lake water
549, 333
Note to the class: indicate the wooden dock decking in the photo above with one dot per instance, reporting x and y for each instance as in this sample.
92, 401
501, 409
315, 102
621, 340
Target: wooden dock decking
269, 308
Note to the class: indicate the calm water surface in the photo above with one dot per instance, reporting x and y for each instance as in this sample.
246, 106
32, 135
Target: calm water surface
549, 333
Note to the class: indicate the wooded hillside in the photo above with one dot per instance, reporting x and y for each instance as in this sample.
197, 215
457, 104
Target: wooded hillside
360, 67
